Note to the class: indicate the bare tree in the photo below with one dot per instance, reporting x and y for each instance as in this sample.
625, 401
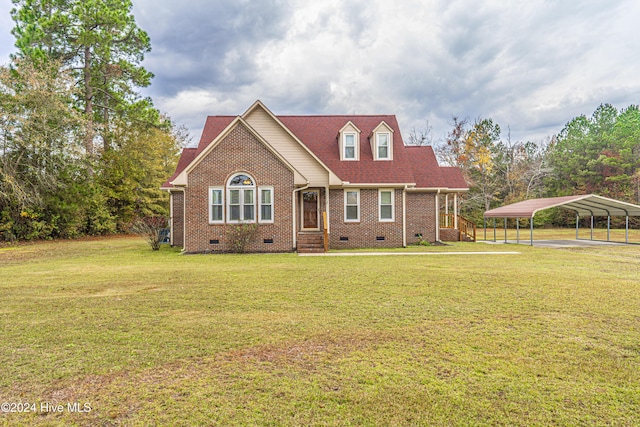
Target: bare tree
421, 137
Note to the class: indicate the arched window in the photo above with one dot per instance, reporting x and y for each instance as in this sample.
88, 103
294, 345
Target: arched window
241, 198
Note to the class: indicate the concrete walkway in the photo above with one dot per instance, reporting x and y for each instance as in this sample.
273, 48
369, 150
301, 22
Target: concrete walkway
406, 253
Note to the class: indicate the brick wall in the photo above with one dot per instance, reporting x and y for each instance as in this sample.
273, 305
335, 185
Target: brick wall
421, 217
368, 232
449, 234
240, 151
177, 218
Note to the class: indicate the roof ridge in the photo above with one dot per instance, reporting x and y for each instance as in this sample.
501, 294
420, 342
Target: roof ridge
335, 115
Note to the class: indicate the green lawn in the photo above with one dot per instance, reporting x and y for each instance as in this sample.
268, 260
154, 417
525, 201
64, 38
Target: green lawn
544, 337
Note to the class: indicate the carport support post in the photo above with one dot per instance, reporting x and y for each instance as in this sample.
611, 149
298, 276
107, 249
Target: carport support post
591, 227
518, 230
531, 233
577, 224
626, 230
494, 229
505, 229
484, 222
608, 227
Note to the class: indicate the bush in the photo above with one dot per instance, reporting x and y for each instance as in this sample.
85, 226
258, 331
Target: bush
149, 227
240, 236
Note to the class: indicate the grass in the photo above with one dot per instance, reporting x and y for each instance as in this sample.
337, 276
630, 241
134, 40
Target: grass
584, 233
546, 337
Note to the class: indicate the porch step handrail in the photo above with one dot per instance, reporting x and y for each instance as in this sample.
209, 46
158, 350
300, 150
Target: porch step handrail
465, 226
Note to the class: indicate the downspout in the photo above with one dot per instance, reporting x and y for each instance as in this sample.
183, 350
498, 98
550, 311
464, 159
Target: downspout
170, 218
293, 213
438, 216
184, 220
404, 217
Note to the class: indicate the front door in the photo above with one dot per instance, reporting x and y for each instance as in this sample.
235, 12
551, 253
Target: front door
310, 199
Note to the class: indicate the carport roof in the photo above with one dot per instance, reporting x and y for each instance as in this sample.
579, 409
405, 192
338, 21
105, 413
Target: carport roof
584, 205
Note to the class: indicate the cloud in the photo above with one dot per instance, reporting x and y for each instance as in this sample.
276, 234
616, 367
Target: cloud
6, 24
531, 65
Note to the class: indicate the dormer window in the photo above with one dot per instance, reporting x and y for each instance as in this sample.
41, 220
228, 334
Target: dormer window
349, 146
381, 139
349, 142
382, 144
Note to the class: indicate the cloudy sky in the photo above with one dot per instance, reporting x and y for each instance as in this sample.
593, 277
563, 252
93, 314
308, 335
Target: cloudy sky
530, 65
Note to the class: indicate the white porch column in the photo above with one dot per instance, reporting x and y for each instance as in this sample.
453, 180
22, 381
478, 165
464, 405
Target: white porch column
446, 209
455, 211
326, 207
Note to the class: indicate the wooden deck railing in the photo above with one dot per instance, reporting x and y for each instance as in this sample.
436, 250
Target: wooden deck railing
466, 227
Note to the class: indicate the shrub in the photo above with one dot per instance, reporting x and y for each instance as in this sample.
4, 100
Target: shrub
149, 227
239, 236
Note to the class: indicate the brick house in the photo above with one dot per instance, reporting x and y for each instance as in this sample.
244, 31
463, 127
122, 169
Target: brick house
289, 173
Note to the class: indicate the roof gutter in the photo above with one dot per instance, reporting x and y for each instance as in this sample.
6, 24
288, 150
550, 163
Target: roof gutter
347, 184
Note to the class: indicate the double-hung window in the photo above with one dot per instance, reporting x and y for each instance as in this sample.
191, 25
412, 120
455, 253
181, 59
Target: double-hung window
351, 205
349, 146
385, 205
241, 204
382, 145
266, 204
216, 205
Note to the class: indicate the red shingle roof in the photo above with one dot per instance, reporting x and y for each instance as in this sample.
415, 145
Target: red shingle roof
453, 177
320, 135
410, 164
186, 157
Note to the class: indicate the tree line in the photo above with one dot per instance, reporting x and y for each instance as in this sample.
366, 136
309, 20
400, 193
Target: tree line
598, 154
81, 152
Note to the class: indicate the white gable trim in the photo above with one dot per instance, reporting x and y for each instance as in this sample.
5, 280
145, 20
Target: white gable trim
350, 123
333, 178
182, 178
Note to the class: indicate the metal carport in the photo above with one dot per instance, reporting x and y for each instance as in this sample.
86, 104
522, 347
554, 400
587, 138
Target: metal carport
584, 205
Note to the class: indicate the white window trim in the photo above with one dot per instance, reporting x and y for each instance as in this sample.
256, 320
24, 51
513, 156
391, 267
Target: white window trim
241, 189
211, 190
393, 205
389, 143
272, 204
355, 146
346, 191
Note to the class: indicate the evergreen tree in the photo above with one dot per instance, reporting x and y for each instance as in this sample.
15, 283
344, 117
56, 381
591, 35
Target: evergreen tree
97, 39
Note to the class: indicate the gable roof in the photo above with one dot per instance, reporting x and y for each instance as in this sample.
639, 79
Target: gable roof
425, 167
186, 157
411, 165
453, 177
